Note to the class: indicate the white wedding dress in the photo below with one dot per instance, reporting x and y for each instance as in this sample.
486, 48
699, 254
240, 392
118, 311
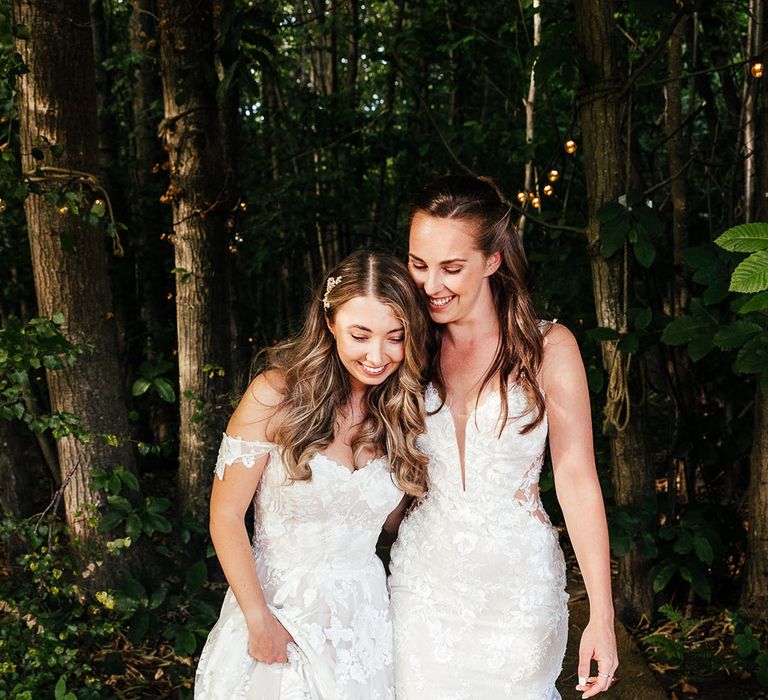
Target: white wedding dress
478, 577
314, 546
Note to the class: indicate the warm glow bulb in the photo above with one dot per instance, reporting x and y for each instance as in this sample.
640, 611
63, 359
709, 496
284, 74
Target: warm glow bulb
521, 197
243, 206
548, 190
536, 202
570, 147
3, 206
758, 69
98, 202
553, 176
63, 210
531, 196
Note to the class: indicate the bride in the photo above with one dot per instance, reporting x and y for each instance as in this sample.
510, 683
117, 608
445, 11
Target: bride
324, 444
478, 578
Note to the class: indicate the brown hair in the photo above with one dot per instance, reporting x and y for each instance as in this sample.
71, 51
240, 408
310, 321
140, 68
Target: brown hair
317, 384
518, 357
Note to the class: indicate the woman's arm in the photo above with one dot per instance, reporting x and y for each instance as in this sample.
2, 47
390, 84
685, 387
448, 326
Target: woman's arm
578, 490
392, 523
230, 499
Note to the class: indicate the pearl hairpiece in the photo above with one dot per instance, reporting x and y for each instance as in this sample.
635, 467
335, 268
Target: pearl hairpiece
329, 285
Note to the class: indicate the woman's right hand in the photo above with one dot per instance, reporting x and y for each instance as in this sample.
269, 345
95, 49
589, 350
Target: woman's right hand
268, 641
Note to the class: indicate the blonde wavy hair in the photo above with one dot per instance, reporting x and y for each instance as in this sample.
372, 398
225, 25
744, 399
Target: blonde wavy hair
518, 359
316, 383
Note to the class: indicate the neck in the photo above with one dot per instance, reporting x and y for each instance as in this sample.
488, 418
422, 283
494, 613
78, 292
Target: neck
480, 326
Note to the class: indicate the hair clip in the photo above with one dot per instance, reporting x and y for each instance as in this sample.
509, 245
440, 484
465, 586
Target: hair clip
329, 285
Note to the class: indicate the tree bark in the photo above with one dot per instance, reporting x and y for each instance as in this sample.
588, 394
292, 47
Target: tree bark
754, 598
603, 166
191, 131
57, 105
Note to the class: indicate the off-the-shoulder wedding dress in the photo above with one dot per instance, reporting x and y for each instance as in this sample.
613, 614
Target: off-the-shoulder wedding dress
314, 546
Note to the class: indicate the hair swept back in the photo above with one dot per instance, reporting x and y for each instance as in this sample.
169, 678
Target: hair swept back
316, 383
478, 201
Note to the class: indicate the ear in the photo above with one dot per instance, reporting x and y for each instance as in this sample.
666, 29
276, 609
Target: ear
330, 327
492, 263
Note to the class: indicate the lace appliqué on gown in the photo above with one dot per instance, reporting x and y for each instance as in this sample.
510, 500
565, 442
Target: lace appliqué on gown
478, 577
314, 549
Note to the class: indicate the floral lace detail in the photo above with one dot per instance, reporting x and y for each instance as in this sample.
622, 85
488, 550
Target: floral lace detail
478, 578
235, 449
314, 549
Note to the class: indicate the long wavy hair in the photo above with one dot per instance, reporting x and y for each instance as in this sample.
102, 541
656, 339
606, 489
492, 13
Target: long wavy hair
317, 385
478, 201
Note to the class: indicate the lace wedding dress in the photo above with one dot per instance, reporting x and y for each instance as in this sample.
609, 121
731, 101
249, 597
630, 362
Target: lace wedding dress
478, 577
314, 547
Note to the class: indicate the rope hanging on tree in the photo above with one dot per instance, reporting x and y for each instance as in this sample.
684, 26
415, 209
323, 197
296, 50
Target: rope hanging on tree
47, 173
617, 403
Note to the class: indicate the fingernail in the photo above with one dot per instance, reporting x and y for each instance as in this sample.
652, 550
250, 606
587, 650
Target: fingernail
582, 681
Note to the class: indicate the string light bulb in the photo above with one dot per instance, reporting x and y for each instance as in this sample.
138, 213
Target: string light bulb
553, 175
757, 69
521, 197
536, 203
570, 147
531, 196
63, 211
548, 190
243, 206
98, 202
3, 205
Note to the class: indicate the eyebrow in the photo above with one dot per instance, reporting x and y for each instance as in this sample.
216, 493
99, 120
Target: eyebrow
442, 262
368, 330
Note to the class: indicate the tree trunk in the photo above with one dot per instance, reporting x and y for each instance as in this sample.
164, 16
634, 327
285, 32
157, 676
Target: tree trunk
754, 598
191, 131
57, 105
17, 496
603, 166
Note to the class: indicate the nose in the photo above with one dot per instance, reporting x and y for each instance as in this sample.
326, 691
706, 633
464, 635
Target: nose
434, 282
375, 354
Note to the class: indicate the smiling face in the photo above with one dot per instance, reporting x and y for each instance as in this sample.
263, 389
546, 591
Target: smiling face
447, 266
369, 340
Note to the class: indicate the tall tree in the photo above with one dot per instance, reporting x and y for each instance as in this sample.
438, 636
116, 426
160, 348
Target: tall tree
59, 147
754, 597
599, 114
191, 131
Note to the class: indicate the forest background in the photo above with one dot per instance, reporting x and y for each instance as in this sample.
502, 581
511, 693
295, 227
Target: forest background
176, 176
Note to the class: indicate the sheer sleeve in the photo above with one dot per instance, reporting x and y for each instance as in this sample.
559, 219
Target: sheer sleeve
234, 449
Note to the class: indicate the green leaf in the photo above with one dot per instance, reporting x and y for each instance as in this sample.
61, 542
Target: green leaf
685, 329
140, 386
735, 335
164, 389
129, 479
642, 318
663, 576
700, 347
629, 343
601, 333
753, 357
61, 688
716, 291
620, 543
758, 302
21, 31
186, 644
110, 521
613, 235
644, 250
57, 318
120, 504
745, 238
703, 549
610, 212
751, 275
133, 526
595, 379
196, 576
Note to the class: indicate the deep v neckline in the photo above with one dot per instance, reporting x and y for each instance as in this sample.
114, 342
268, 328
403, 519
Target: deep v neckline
461, 446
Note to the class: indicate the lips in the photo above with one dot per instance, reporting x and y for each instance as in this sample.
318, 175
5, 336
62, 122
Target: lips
440, 302
373, 371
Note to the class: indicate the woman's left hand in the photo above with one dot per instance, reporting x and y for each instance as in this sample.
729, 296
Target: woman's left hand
598, 642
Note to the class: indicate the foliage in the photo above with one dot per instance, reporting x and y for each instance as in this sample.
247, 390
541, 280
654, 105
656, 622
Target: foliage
25, 351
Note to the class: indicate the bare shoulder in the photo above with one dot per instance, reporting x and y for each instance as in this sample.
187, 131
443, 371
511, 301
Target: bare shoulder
257, 415
562, 363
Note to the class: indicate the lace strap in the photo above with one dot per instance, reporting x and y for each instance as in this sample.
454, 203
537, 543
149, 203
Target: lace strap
235, 449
